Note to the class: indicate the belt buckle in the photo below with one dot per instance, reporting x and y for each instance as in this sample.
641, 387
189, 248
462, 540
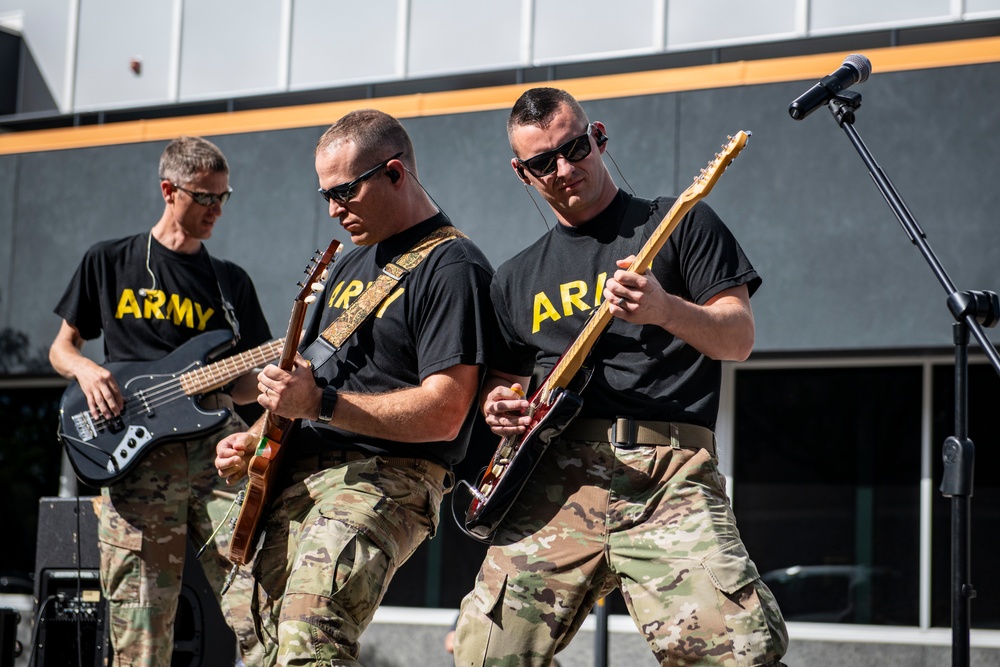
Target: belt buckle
631, 428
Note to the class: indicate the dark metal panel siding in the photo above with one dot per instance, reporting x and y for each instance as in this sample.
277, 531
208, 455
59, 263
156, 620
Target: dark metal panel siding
8, 180
839, 274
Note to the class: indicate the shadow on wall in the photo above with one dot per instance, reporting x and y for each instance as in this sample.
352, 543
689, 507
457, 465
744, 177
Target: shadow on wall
16, 355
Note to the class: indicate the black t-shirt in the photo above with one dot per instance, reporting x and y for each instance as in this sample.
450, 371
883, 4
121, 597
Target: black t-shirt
439, 316
544, 295
106, 295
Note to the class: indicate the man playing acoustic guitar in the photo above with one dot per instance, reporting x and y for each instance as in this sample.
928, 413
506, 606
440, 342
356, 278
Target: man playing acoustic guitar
149, 294
384, 391
629, 496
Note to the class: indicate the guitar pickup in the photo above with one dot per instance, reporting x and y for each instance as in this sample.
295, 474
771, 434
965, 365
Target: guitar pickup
134, 439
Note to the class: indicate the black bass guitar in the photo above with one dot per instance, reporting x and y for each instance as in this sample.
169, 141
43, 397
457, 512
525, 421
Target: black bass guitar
557, 402
161, 405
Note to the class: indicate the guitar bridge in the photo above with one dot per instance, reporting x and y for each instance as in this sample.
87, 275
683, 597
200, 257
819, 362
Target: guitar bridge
85, 428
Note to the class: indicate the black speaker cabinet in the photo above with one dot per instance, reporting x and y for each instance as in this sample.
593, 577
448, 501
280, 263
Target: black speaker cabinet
70, 604
9, 647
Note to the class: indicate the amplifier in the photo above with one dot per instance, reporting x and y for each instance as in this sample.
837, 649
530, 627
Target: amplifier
70, 604
72, 619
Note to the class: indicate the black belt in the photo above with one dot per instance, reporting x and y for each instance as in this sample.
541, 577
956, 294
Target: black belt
629, 432
340, 456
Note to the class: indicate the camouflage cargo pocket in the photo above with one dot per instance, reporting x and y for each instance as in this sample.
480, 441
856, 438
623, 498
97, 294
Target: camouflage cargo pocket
730, 567
752, 619
490, 586
121, 545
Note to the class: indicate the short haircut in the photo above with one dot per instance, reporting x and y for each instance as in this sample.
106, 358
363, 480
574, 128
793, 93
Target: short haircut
376, 134
537, 106
186, 157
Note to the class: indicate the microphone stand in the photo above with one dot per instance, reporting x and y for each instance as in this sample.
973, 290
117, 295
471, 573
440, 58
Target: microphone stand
972, 310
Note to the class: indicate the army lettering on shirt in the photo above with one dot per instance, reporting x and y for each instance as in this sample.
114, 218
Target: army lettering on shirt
156, 305
574, 296
345, 292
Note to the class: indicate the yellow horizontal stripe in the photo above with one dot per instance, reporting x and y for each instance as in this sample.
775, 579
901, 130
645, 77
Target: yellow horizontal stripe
742, 73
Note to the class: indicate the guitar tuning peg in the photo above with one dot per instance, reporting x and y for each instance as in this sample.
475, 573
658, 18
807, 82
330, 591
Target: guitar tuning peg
324, 275
310, 299
316, 287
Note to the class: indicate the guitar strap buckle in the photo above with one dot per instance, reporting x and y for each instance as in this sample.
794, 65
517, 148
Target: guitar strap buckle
319, 352
625, 428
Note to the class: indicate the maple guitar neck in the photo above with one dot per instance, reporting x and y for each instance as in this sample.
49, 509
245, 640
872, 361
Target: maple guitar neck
218, 374
572, 359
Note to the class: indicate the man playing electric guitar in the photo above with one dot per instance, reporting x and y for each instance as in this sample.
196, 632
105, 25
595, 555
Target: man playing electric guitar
384, 392
149, 294
629, 495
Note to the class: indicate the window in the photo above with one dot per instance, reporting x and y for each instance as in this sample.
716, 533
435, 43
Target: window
827, 487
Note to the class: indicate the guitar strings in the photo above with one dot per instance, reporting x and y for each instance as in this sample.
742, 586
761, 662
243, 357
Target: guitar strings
150, 398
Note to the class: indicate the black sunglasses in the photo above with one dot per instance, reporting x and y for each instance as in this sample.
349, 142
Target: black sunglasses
345, 192
206, 198
573, 150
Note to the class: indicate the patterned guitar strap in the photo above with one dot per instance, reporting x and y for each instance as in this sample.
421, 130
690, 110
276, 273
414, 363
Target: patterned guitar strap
326, 345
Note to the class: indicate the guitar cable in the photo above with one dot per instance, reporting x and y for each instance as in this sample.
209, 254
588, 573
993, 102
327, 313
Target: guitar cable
475, 494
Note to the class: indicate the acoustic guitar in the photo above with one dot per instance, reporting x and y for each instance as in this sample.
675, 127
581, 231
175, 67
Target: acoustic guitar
265, 462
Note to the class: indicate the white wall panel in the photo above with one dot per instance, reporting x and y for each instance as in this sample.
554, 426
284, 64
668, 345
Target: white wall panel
214, 50
112, 32
462, 36
699, 23
982, 8
826, 16
585, 29
335, 42
47, 32
229, 48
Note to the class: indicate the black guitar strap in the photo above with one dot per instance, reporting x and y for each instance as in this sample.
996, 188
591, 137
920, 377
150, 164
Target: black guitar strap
226, 291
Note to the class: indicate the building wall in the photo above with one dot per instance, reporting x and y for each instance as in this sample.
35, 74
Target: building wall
193, 51
839, 273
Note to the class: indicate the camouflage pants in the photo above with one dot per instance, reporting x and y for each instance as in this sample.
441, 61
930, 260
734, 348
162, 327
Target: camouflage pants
333, 540
652, 521
144, 526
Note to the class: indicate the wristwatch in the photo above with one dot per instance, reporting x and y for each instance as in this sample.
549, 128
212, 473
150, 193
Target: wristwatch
327, 405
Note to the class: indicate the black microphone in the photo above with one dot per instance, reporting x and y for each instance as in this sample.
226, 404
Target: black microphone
856, 69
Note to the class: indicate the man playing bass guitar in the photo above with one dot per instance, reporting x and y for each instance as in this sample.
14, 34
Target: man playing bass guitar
149, 294
383, 391
629, 495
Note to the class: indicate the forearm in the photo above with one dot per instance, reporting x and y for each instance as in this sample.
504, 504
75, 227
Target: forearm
721, 330
244, 389
67, 359
433, 411
403, 416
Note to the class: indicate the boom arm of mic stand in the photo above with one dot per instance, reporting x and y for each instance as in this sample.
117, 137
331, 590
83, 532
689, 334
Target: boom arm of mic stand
842, 107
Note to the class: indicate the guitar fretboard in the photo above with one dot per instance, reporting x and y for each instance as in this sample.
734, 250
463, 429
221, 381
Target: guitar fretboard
219, 373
